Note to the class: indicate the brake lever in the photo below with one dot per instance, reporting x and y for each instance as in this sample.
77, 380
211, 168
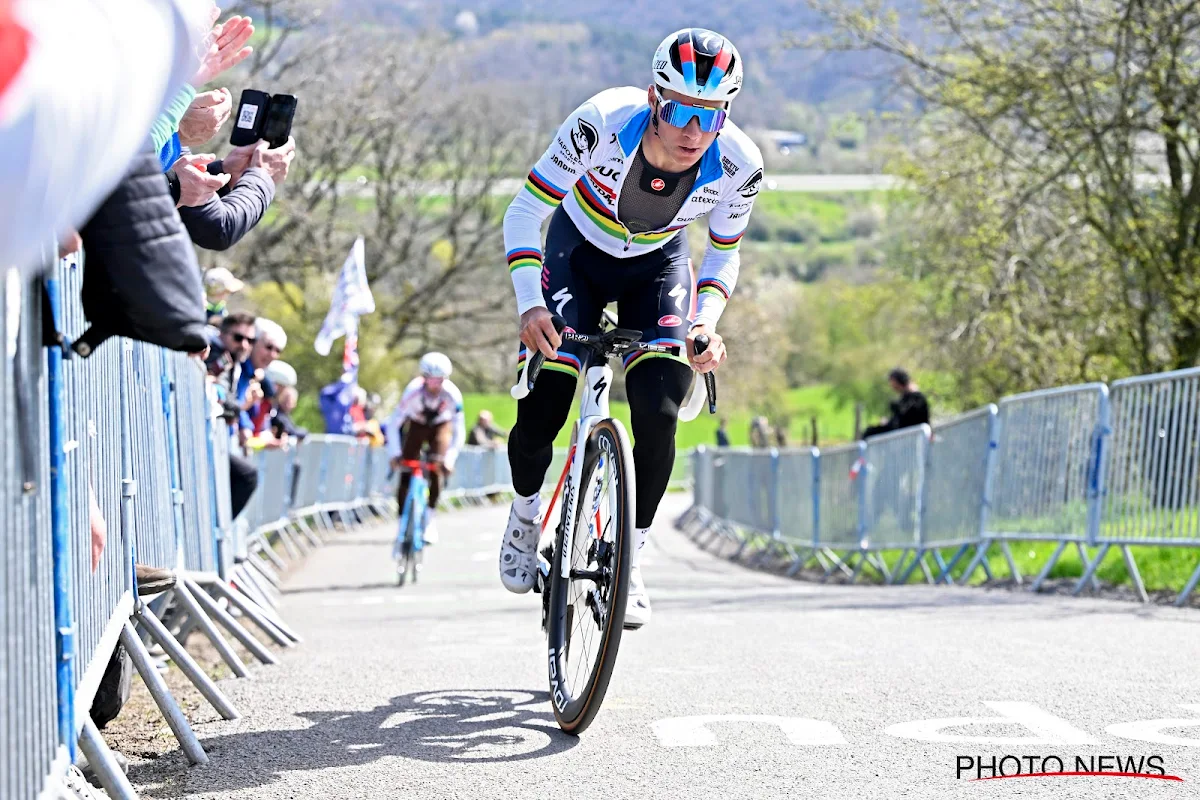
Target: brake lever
710, 380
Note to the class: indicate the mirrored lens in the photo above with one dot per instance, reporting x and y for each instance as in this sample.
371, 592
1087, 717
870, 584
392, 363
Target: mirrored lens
679, 115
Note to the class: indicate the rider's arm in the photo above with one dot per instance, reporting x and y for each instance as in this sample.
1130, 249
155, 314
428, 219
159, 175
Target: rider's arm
548, 183
459, 436
718, 271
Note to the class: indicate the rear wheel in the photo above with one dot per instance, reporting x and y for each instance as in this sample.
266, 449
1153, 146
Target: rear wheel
587, 604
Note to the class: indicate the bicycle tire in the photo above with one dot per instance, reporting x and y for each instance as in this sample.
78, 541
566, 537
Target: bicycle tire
575, 713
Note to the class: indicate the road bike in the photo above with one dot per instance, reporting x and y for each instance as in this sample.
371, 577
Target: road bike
410, 538
583, 576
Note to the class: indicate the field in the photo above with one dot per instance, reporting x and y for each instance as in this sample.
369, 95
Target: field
835, 424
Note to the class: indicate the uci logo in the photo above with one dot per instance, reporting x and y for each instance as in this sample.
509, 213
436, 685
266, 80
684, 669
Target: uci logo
608, 172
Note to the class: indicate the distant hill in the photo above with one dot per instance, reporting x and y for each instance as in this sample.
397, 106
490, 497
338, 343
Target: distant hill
579, 48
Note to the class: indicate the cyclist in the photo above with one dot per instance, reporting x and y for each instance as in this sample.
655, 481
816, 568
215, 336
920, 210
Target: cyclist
627, 172
432, 409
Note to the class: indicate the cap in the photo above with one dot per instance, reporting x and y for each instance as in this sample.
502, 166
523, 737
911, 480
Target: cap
221, 278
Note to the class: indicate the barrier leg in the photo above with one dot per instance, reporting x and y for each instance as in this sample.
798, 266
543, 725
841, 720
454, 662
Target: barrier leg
289, 546
900, 563
303, 527
945, 574
256, 648
799, 563
1189, 587
257, 590
1134, 574
254, 613
271, 555
261, 570
197, 617
1083, 557
159, 633
918, 558
162, 696
1012, 563
102, 762
862, 559
1090, 572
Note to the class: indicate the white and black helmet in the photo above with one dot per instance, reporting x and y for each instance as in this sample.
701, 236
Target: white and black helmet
699, 63
436, 365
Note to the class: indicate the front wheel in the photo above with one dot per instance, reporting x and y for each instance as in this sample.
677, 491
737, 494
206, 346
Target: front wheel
587, 599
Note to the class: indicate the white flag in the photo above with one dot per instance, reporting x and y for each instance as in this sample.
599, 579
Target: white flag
351, 298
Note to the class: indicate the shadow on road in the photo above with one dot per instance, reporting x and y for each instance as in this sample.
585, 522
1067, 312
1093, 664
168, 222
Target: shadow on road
456, 727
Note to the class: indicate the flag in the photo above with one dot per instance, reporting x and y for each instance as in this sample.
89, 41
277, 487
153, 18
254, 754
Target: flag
351, 298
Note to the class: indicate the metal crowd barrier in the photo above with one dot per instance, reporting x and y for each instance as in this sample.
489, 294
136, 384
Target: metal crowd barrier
1084, 466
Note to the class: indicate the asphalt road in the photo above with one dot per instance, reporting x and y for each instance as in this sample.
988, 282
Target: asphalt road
438, 690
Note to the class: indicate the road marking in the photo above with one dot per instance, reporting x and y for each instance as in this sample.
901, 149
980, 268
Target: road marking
1048, 729
1151, 730
694, 732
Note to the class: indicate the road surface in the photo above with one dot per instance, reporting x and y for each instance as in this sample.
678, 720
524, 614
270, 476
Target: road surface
745, 685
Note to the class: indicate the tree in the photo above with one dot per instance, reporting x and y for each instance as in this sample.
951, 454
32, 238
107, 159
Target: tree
394, 143
1056, 203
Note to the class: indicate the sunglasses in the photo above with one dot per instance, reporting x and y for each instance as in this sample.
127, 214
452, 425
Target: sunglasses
242, 338
678, 115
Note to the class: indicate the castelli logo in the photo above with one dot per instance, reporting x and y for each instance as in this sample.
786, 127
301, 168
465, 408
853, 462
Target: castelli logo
658, 184
669, 321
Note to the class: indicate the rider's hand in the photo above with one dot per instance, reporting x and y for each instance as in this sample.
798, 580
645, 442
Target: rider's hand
537, 332
711, 358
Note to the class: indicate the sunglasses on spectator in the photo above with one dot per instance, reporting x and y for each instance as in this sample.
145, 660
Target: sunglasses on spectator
678, 115
241, 338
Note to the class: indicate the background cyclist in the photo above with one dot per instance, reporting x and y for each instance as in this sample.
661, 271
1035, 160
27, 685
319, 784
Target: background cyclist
429, 418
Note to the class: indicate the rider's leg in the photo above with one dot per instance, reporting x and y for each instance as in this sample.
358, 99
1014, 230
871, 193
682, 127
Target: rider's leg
412, 442
439, 443
656, 386
542, 414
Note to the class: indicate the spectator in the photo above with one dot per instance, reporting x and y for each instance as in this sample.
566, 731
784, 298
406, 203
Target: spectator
781, 435
253, 384
230, 352
219, 285
79, 89
485, 433
223, 49
723, 433
758, 432
221, 201
281, 420
909, 409
205, 117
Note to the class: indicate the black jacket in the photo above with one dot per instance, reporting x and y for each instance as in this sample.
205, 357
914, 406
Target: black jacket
222, 222
141, 278
910, 409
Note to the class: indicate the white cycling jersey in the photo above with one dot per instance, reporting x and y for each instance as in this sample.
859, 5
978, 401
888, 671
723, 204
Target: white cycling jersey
419, 406
584, 169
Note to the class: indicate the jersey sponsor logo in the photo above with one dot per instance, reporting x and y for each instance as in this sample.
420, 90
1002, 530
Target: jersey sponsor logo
658, 184
698, 199
678, 294
730, 168
711, 190
751, 186
669, 321
738, 215
563, 297
616, 160
608, 172
609, 194
568, 152
584, 138
558, 162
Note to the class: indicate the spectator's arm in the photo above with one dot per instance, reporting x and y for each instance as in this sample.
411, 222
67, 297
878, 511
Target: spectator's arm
223, 221
168, 121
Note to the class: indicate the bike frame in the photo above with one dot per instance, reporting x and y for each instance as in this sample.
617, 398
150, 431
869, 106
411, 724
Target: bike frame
593, 407
418, 490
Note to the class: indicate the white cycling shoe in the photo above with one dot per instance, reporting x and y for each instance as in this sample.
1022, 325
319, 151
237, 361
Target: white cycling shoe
429, 533
518, 551
637, 605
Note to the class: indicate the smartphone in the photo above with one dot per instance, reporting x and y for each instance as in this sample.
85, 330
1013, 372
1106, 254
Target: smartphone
278, 125
251, 113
